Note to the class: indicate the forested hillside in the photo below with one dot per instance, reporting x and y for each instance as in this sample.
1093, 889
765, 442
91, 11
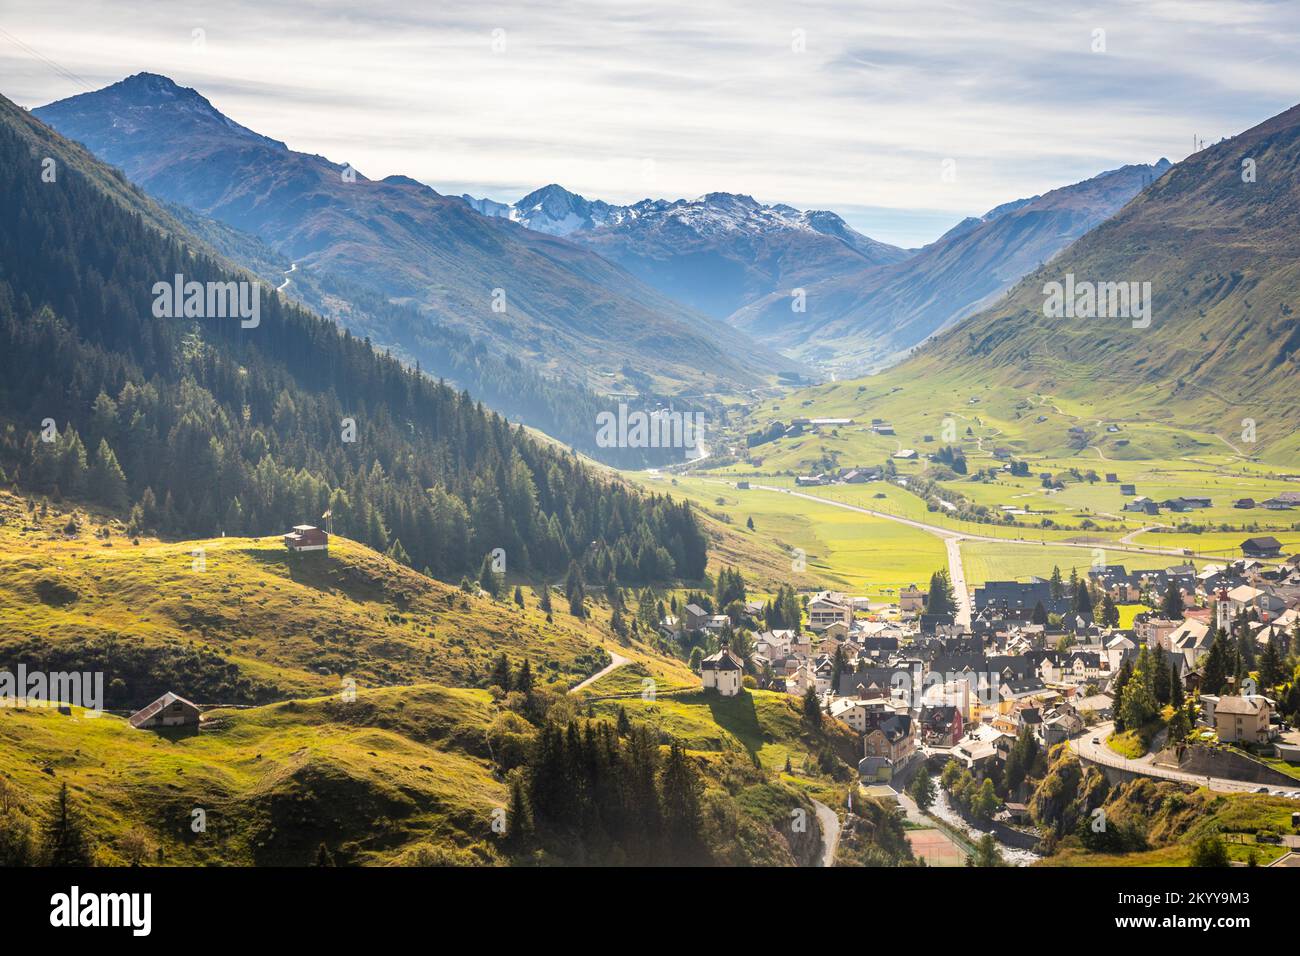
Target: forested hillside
200, 426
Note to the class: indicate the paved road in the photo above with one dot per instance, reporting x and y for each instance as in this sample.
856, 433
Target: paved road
615, 662
1102, 754
958, 576
829, 821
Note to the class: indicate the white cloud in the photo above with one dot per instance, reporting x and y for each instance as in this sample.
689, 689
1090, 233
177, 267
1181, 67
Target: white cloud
583, 94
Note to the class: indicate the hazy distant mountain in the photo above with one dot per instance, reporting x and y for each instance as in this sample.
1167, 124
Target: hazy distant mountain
717, 253
856, 321
1223, 340
564, 308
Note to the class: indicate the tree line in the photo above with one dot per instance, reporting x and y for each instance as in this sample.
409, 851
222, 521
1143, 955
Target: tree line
201, 427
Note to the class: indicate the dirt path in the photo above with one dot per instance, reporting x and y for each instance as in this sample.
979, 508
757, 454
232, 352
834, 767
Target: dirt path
615, 662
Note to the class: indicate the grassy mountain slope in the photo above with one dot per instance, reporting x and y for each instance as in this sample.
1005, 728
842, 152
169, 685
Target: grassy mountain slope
251, 623
1220, 254
859, 319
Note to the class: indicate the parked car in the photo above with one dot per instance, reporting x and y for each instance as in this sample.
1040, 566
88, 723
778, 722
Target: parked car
1096, 740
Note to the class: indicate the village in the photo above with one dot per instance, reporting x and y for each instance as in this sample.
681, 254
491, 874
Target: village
1043, 660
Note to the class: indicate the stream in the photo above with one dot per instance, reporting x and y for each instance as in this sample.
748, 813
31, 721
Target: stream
944, 811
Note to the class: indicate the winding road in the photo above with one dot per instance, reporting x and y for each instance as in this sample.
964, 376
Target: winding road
1100, 753
293, 267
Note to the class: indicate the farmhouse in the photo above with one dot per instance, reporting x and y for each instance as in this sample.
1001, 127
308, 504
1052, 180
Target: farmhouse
169, 710
305, 537
1261, 547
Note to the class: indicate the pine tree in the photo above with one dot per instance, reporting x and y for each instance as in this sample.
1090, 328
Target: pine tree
106, 483
501, 673
1109, 612
812, 708
1040, 614
487, 578
1176, 694
1270, 666
323, 855
1161, 679
524, 679
681, 789
519, 817
941, 599
519, 595
64, 838
575, 591
1218, 664
1055, 585
1171, 607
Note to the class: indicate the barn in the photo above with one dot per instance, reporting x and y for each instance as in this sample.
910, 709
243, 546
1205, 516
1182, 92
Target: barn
169, 710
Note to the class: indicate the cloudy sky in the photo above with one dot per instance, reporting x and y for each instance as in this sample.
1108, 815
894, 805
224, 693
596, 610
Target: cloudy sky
850, 106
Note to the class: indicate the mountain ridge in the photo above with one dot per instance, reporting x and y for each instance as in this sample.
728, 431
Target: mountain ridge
566, 309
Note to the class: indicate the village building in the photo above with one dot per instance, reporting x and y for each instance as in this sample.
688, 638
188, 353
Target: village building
1264, 546
1243, 719
722, 672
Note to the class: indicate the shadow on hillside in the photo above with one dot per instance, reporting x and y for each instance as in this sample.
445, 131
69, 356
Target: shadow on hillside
736, 715
173, 734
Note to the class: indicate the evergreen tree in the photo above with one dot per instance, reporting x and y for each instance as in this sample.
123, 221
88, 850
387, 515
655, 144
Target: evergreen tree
1218, 664
1140, 704
1161, 683
681, 792
107, 484
323, 855
1109, 612
65, 841
1270, 666
501, 673
921, 789
519, 817
941, 599
1171, 607
575, 591
812, 708
1056, 586
1176, 694
1040, 614
524, 679
488, 579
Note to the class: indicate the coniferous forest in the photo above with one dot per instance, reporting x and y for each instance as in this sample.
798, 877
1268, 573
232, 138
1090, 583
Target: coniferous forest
201, 427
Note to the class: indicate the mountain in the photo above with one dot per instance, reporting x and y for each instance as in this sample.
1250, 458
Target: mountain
202, 425
716, 254
855, 321
565, 309
1223, 341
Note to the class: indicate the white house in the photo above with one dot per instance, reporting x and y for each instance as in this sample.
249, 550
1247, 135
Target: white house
722, 672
